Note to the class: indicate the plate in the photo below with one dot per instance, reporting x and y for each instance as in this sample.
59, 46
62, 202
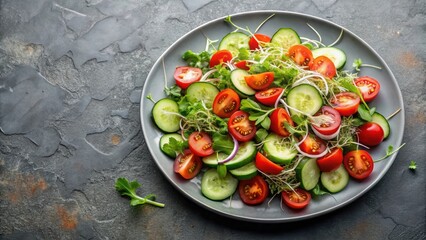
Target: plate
387, 102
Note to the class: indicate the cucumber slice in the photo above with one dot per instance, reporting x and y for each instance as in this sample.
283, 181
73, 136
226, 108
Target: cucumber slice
165, 140
234, 41
381, 120
337, 56
305, 98
246, 153
335, 181
162, 112
279, 149
240, 84
245, 172
216, 188
202, 91
285, 38
308, 173
212, 160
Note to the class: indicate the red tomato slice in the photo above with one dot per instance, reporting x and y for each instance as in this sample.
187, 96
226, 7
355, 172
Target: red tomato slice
328, 120
331, 161
184, 76
253, 191
301, 55
187, 164
296, 199
200, 144
261, 39
226, 103
240, 127
313, 145
242, 65
269, 97
267, 166
324, 65
369, 87
359, 164
370, 134
260, 81
220, 57
346, 103
278, 117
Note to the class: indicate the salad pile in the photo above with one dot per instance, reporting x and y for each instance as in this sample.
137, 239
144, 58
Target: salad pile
270, 115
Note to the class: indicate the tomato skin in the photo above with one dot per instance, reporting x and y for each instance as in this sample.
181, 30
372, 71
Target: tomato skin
262, 38
278, 117
220, 57
313, 145
226, 103
370, 134
297, 199
267, 166
260, 81
269, 96
331, 161
324, 65
328, 127
301, 55
242, 65
200, 144
346, 103
187, 164
369, 87
240, 127
184, 76
253, 191
358, 163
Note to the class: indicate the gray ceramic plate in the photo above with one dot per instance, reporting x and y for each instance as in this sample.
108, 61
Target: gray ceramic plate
387, 102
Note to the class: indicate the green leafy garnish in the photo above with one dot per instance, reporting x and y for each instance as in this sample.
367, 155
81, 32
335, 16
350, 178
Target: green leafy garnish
317, 191
174, 147
364, 113
174, 92
413, 165
389, 151
222, 143
199, 60
357, 64
127, 188
256, 112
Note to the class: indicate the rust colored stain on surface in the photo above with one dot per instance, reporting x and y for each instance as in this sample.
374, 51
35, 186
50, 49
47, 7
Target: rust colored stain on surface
409, 59
68, 219
115, 139
24, 186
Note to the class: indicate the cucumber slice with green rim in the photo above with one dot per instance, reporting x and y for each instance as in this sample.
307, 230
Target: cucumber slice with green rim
381, 120
246, 153
245, 172
164, 115
335, 181
337, 56
165, 140
216, 188
234, 41
212, 160
308, 173
285, 38
240, 84
202, 91
304, 98
279, 149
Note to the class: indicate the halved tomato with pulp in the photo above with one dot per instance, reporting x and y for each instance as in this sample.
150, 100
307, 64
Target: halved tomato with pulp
253, 191
200, 144
359, 164
313, 145
226, 103
346, 103
296, 199
324, 65
301, 55
369, 87
220, 57
278, 117
269, 97
184, 76
326, 121
260, 81
240, 127
258, 39
187, 164
267, 166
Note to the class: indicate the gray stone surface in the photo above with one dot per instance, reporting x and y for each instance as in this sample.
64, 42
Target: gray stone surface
71, 125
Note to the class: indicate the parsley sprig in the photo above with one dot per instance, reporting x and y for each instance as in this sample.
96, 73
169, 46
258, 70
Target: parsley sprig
127, 188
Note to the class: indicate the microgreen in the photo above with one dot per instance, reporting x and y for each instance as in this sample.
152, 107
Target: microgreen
413, 165
127, 188
389, 152
357, 64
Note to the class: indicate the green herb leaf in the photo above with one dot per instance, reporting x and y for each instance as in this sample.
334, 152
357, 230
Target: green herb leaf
261, 134
357, 64
317, 191
222, 143
199, 60
413, 165
357, 122
364, 113
389, 152
266, 123
174, 147
175, 92
255, 111
126, 188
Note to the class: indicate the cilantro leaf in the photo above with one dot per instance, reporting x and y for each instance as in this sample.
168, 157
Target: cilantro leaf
413, 165
173, 147
175, 92
199, 60
126, 188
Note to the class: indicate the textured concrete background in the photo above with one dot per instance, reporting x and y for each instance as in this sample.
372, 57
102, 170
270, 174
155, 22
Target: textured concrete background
71, 126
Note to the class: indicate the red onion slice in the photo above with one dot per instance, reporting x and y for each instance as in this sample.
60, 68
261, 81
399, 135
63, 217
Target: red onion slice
233, 153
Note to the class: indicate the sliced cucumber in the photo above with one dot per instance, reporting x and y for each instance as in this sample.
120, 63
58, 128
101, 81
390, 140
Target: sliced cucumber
240, 84
165, 140
304, 98
212, 160
246, 153
234, 41
165, 115
279, 149
335, 181
216, 188
308, 173
245, 172
202, 91
381, 120
285, 38
337, 56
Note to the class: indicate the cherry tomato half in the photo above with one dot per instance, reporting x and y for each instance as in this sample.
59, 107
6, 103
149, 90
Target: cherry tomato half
226, 103
370, 134
253, 191
269, 96
331, 161
346, 103
200, 144
267, 166
296, 199
301, 55
328, 120
313, 145
184, 76
220, 57
240, 127
260, 81
261, 38
358, 163
324, 65
278, 117
187, 164
242, 65
369, 87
